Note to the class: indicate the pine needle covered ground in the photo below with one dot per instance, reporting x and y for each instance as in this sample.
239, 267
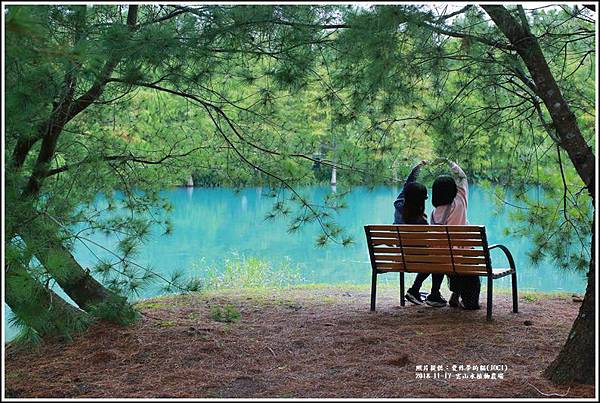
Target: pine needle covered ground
303, 342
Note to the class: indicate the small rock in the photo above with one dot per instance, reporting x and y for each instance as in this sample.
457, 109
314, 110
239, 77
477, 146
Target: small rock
528, 323
577, 299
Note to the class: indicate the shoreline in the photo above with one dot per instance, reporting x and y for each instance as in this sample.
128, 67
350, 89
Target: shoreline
382, 285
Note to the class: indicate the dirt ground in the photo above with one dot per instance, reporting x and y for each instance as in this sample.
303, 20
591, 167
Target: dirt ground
302, 343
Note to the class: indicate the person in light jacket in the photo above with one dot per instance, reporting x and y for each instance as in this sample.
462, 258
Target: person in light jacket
449, 196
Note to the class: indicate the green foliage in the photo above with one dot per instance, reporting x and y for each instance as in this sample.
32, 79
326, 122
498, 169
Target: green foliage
227, 313
34, 325
148, 305
241, 272
27, 337
115, 310
530, 297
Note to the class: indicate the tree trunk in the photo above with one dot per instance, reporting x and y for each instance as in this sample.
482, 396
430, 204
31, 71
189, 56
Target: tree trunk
39, 307
41, 235
575, 362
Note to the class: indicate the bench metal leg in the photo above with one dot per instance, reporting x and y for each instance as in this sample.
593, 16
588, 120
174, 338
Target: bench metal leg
401, 288
373, 289
515, 296
490, 287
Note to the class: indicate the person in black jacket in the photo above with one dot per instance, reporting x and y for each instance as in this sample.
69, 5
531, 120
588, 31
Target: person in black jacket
410, 209
410, 203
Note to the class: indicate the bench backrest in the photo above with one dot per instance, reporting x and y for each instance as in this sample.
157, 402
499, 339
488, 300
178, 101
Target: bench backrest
460, 249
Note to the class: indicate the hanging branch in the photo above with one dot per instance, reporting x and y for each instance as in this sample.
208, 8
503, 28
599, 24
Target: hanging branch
281, 180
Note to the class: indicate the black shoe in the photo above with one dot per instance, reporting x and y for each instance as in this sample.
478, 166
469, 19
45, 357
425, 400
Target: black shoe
414, 297
435, 300
453, 302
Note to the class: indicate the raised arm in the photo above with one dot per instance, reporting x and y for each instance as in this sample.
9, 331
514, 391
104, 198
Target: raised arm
461, 180
412, 177
399, 202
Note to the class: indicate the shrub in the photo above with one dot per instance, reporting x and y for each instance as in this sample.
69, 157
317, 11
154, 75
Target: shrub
250, 272
228, 313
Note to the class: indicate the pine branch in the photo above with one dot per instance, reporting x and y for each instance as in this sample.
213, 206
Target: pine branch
454, 34
61, 116
448, 16
124, 158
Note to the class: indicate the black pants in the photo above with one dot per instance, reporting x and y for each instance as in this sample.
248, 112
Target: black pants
436, 282
468, 287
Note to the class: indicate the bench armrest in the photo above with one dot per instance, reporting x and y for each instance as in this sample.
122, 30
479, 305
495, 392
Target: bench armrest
509, 256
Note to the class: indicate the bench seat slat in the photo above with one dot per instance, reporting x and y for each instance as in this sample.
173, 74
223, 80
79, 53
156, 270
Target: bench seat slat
426, 228
429, 259
426, 243
441, 235
429, 251
432, 267
400, 267
479, 273
427, 235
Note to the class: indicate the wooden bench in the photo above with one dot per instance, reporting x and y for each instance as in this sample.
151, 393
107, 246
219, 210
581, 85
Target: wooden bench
449, 249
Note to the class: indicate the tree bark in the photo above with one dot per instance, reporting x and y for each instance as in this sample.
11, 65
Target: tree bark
575, 362
39, 307
78, 284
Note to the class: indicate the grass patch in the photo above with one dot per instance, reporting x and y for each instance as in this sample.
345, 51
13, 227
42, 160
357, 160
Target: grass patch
241, 272
148, 305
193, 315
227, 313
530, 298
328, 300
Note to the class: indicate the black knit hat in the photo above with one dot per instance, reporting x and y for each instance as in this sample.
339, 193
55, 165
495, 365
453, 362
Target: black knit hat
443, 190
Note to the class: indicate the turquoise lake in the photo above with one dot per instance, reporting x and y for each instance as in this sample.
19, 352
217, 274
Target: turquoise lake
211, 224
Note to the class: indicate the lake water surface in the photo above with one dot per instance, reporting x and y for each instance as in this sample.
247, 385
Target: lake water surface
211, 224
